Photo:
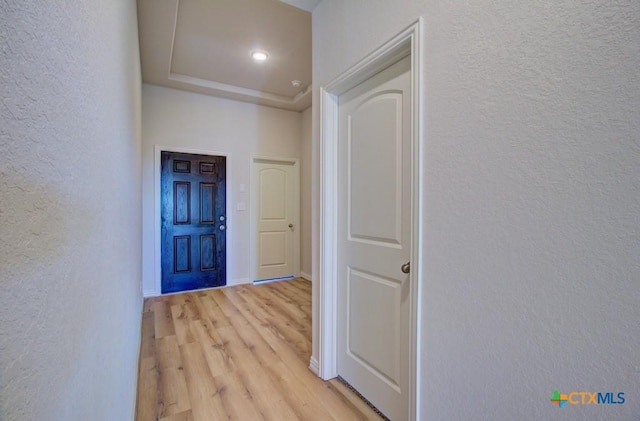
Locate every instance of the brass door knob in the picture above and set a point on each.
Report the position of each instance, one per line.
(406, 268)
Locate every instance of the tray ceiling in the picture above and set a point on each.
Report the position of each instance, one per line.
(204, 46)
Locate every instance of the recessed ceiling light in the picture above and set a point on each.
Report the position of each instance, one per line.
(259, 55)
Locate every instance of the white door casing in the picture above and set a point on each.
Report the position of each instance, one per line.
(275, 209)
(407, 42)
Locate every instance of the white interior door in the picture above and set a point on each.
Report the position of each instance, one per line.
(277, 207)
(374, 238)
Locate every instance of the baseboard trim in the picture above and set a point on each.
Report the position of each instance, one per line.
(148, 294)
(306, 276)
(238, 281)
(230, 283)
(138, 360)
(314, 367)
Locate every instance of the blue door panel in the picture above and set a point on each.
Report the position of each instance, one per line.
(193, 204)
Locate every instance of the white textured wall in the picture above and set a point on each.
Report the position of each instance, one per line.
(305, 193)
(532, 151)
(180, 119)
(70, 307)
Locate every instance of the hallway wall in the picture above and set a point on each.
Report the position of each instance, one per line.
(70, 272)
(531, 195)
(174, 118)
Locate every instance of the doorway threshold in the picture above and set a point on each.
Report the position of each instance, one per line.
(264, 281)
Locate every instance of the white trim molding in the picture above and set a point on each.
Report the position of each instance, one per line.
(313, 365)
(407, 42)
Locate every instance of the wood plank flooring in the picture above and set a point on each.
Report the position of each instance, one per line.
(238, 353)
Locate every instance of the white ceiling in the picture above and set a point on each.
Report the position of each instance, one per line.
(204, 46)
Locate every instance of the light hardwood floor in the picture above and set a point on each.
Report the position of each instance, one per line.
(238, 353)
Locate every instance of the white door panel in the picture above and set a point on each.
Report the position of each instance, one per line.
(381, 185)
(273, 249)
(374, 229)
(369, 294)
(273, 193)
(277, 208)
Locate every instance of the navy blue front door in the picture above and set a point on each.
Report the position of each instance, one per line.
(193, 203)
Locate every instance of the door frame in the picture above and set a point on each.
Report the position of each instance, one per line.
(157, 235)
(407, 42)
(295, 163)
